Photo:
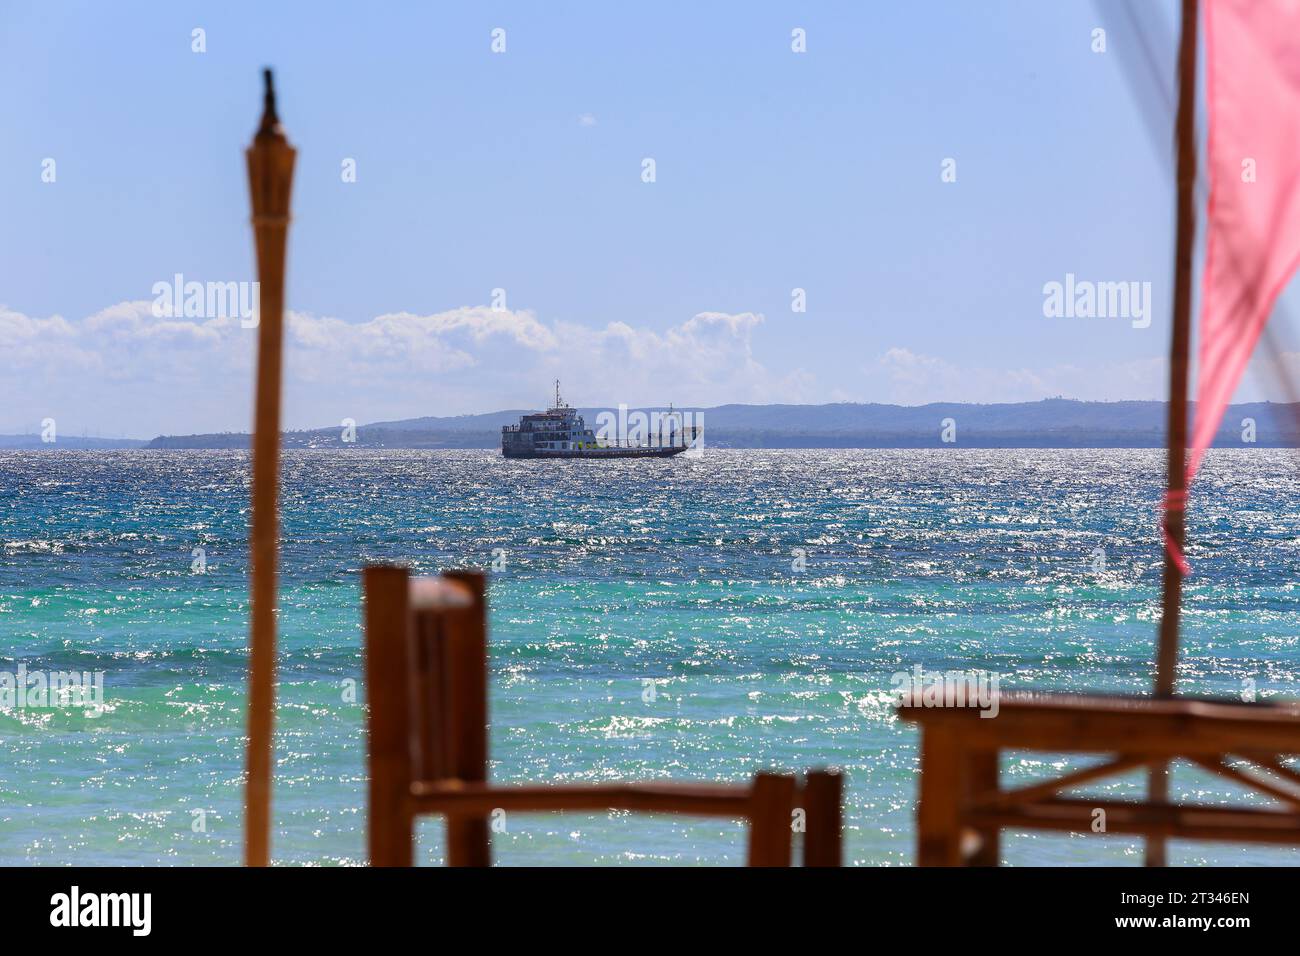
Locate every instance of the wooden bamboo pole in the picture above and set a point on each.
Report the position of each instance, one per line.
(270, 180)
(1179, 349)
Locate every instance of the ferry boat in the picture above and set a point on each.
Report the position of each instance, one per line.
(560, 432)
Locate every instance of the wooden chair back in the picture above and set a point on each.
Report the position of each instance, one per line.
(426, 693)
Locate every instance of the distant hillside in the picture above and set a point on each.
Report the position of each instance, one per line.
(67, 442)
(1052, 423)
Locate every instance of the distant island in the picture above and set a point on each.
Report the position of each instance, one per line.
(1051, 423)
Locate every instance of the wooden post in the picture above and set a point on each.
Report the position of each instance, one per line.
(467, 689)
(1179, 347)
(770, 833)
(982, 779)
(938, 819)
(822, 798)
(270, 180)
(390, 826)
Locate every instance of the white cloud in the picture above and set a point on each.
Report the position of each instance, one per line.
(123, 370)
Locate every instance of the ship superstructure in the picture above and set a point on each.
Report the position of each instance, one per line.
(560, 432)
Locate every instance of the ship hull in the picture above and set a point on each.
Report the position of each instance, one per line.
(601, 453)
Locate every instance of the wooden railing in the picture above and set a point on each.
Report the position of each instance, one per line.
(963, 809)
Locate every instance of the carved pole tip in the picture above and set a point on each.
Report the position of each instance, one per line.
(269, 118)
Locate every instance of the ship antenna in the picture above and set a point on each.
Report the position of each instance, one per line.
(557, 393)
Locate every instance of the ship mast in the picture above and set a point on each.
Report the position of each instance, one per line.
(1176, 494)
(557, 394)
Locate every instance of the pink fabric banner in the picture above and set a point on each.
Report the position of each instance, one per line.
(1252, 52)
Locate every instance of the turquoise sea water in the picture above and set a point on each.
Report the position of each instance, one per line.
(615, 573)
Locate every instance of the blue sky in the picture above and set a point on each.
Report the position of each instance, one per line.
(522, 171)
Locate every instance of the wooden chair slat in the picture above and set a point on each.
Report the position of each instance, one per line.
(466, 658)
(1099, 724)
(390, 826)
(822, 798)
(1250, 781)
(772, 803)
(993, 799)
(1194, 823)
(428, 697)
